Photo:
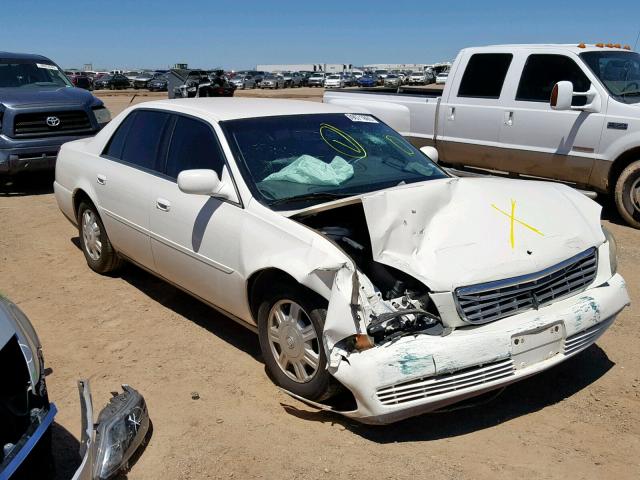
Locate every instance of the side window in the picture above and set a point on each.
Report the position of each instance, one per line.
(542, 72)
(193, 145)
(138, 139)
(116, 143)
(484, 75)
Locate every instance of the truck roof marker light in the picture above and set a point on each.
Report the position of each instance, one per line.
(616, 45)
(609, 45)
(599, 45)
(626, 47)
(582, 45)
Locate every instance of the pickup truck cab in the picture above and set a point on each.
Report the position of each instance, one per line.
(564, 112)
(40, 110)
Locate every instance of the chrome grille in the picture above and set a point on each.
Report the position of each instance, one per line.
(494, 300)
(443, 384)
(34, 124)
(581, 340)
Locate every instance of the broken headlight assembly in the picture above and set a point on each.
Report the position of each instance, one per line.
(613, 249)
(122, 427)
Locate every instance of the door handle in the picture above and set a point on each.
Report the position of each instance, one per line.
(452, 114)
(508, 118)
(101, 179)
(162, 204)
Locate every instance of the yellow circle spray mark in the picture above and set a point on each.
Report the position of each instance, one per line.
(345, 144)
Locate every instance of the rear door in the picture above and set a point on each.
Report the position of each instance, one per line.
(195, 238)
(471, 117)
(543, 142)
(123, 182)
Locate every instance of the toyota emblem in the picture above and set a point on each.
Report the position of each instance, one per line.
(53, 121)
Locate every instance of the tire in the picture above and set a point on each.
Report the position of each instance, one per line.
(94, 241)
(305, 373)
(627, 194)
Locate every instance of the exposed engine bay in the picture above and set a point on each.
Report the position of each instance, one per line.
(410, 309)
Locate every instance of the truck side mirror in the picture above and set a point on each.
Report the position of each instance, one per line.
(562, 96)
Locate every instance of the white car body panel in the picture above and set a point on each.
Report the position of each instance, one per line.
(446, 233)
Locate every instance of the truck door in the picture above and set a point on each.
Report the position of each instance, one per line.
(471, 118)
(543, 142)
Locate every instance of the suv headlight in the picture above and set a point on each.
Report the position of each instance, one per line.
(613, 249)
(103, 115)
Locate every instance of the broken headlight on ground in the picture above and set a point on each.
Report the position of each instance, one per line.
(122, 428)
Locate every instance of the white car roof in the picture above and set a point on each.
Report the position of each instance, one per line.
(571, 47)
(221, 109)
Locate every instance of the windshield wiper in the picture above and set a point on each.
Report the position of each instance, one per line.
(310, 196)
(632, 93)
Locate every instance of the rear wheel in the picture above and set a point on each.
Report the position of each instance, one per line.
(290, 325)
(627, 194)
(94, 241)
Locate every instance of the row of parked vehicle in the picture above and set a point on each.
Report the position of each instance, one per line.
(152, 80)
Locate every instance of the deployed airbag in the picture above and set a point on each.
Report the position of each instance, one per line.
(313, 171)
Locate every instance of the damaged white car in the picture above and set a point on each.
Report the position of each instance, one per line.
(363, 267)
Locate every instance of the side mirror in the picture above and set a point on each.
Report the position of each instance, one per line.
(430, 152)
(562, 96)
(201, 182)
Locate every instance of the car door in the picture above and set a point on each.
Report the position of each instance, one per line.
(544, 142)
(195, 238)
(472, 115)
(130, 161)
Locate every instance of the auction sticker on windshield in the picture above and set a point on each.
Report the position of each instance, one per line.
(360, 118)
(48, 67)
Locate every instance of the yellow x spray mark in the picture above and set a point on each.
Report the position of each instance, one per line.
(513, 220)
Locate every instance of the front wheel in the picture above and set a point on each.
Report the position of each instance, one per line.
(627, 194)
(290, 329)
(96, 246)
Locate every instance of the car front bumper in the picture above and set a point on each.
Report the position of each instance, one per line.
(423, 373)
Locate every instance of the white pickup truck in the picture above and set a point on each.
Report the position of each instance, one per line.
(564, 112)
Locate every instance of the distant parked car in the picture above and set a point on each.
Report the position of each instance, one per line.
(392, 80)
(81, 80)
(316, 79)
(305, 77)
(132, 76)
(367, 81)
(334, 81)
(158, 84)
(441, 78)
(142, 80)
(349, 79)
(244, 81)
(111, 82)
(418, 78)
(381, 75)
(272, 81)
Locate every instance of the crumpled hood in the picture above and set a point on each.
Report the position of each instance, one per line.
(456, 232)
(30, 96)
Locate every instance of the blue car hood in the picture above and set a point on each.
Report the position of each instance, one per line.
(36, 96)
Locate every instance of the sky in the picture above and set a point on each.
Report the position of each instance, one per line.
(244, 33)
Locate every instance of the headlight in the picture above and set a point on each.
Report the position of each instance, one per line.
(122, 427)
(613, 249)
(103, 115)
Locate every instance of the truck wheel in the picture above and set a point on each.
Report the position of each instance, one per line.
(94, 241)
(290, 325)
(627, 194)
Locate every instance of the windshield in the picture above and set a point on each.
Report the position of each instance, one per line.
(619, 72)
(29, 73)
(300, 160)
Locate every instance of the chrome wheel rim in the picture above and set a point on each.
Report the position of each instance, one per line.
(91, 235)
(293, 341)
(635, 195)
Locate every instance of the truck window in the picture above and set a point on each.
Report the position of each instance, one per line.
(543, 71)
(484, 75)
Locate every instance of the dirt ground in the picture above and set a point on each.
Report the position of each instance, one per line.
(578, 420)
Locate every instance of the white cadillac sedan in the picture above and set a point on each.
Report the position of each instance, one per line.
(363, 267)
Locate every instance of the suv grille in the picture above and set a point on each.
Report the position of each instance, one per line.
(491, 301)
(35, 124)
